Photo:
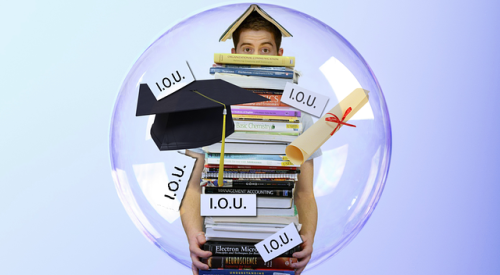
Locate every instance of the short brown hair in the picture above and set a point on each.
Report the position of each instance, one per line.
(256, 22)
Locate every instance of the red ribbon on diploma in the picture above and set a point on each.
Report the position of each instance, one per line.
(335, 119)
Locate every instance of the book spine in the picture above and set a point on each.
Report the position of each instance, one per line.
(274, 101)
(283, 263)
(252, 171)
(259, 67)
(267, 167)
(245, 272)
(251, 162)
(249, 176)
(252, 184)
(251, 59)
(253, 72)
(239, 249)
(248, 156)
(287, 193)
(265, 91)
(251, 126)
(262, 112)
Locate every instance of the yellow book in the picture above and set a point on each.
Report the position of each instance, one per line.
(270, 118)
(253, 59)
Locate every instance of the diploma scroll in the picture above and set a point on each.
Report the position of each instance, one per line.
(310, 141)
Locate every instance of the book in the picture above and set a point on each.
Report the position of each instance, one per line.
(251, 171)
(258, 82)
(250, 162)
(265, 111)
(247, 148)
(269, 167)
(245, 272)
(254, 71)
(274, 101)
(251, 184)
(239, 249)
(254, 59)
(270, 219)
(267, 126)
(264, 136)
(279, 177)
(265, 91)
(248, 156)
(253, 8)
(242, 262)
(259, 192)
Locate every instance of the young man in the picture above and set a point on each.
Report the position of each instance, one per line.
(255, 35)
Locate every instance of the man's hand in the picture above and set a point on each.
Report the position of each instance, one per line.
(195, 242)
(303, 256)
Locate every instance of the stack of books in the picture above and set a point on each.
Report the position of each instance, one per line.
(254, 163)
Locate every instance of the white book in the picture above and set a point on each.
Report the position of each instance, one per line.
(247, 148)
(268, 126)
(262, 136)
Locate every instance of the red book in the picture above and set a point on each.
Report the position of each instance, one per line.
(275, 100)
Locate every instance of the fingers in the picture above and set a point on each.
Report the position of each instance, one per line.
(302, 263)
(195, 270)
(298, 271)
(201, 238)
(194, 247)
(197, 264)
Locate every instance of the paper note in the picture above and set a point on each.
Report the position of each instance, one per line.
(304, 100)
(164, 184)
(167, 78)
(228, 204)
(312, 139)
(280, 242)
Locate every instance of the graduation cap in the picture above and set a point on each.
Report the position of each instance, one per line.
(253, 8)
(193, 116)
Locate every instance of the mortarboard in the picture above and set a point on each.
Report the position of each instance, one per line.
(192, 116)
(253, 8)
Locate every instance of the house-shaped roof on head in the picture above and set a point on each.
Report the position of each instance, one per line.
(253, 8)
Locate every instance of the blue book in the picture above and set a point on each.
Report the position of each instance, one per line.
(245, 272)
(263, 71)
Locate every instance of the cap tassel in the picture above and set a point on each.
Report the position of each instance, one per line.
(220, 179)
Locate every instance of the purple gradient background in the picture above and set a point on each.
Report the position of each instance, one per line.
(61, 66)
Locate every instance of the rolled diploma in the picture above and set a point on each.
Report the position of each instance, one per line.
(308, 142)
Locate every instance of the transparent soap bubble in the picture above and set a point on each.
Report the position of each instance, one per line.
(349, 176)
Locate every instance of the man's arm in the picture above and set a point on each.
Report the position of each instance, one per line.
(308, 214)
(190, 215)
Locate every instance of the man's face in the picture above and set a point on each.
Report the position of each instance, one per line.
(257, 42)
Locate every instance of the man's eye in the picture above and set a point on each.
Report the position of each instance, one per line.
(247, 50)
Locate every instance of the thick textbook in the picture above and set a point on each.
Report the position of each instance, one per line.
(235, 262)
(268, 167)
(274, 101)
(287, 193)
(247, 148)
(249, 183)
(251, 71)
(250, 176)
(264, 136)
(257, 82)
(245, 272)
(239, 249)
(267, 126)
(265, 111)
(253, 59)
